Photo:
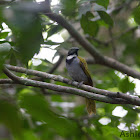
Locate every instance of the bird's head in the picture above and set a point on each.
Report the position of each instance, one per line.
(73, 51)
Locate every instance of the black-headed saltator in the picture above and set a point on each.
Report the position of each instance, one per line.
(78, 70)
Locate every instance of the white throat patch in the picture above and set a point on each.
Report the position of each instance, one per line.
(71, 56)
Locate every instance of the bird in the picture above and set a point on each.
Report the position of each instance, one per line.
(78, 70)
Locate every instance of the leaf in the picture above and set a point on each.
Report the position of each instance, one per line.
(110, 132)
(4, 52)
(89, 27)
(29, 135)
(97, 7)
(128, 118)
(125, 85)
(37, 106)
(79, 110)
(64, 45)
(56, 98)
(136, 14)
(12, 56)
(103, 3)
(69, 7)
(106, 18)
(4, 48)
(27, 31)
(84, 8)
(3, 35)
(53, 30)
(9, 115)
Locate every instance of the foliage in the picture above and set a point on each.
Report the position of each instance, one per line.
(25, 111)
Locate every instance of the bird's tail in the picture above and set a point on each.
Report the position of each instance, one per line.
(91, 106)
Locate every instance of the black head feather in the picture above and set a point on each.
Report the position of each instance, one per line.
(73, 50)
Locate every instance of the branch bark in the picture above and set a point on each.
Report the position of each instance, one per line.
(132, 99)
(6, 81)
(69, 90)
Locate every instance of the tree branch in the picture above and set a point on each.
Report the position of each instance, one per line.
(99, 58)
(6, 81)
(6, 2)
(55, 66)
(133, 99)
(69, 90)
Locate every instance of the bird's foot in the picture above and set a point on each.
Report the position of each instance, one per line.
(80, 83)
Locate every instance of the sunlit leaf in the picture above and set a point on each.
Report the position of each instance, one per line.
(3, 35)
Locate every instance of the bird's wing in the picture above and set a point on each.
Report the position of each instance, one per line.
(84, 66)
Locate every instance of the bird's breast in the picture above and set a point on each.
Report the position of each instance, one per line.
(75, 71)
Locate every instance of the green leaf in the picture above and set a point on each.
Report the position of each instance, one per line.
(12, 56)
(9, 114)
(69, 7)
(136, 14)
(56, 98)
(106, 18)
(125, 85)
(84, 8)
(89, 27)
(27, 31)
(4, 48)
(64, 45)
(37, 106)
(128, 118)
(53, 30)
(3, 35)
(110, 132)
(79, 110)
(4, 52)
(29, 135)
(103, 3)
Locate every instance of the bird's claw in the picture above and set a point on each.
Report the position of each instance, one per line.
(80, 83)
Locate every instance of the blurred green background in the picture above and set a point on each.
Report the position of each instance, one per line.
(30, 39)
